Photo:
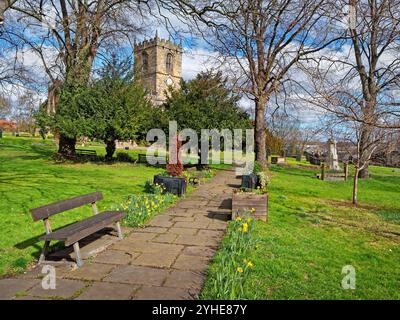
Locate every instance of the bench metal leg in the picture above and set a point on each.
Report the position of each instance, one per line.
(120, 235)
(44, 252)
(79, 261)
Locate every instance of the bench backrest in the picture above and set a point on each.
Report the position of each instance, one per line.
(51, 209)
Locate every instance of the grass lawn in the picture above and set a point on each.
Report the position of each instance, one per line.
(313, 233)
(29, 178)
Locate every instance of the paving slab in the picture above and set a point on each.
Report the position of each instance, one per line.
(166, 238)
(154, 247)
(216, 224)
(91, 272)
(191, 263)
(193, 225)
(186, 231)
(61, 269)
(180, 212)
(153, 229)
(115, 257)
(158, 259)
(138, 275)
(9, 288)
(183, 219)
(65, 289)
(190, 204)
(199, 251)
(140, 236)
(185, 279)
(197, 240)
(211, 233)
(108, 291)
(163, 221)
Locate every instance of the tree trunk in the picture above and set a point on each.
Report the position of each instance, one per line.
(355, 187)
(66, 146)
(259, 136)
(364, 173)
(201, 166)
(110, 149)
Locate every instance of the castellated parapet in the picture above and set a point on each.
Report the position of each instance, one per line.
(158, 65)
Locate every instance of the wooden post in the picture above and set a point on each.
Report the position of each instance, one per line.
(42, 257)
(120, 235)
(47, 225)
(346, 171)
(79, 261)
(43, 254)
(94, 208)
(322, 171)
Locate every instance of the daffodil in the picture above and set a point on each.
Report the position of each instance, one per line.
(245, 227)
(252, 210)
(240, 270)
(238, 219)
(250, 264)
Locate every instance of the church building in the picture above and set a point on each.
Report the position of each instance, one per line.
(158, 64)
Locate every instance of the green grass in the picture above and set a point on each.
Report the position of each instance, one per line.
(313, 232)
(29, 178)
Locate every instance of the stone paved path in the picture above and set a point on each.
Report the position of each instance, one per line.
(165, 260)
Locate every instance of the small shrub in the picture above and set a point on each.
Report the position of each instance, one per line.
(124, 157)
(175, 169)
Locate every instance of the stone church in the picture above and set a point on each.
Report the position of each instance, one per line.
(158, 64)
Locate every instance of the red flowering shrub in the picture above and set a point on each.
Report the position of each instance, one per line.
(175, 169)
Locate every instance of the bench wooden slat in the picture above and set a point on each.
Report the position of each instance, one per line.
(48, 210)
(84, 228)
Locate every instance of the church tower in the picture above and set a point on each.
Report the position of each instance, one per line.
(158, 64)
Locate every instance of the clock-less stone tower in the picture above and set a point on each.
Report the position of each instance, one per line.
(158, 64)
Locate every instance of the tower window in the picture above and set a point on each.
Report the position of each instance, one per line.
(145, 58)
(169, 65)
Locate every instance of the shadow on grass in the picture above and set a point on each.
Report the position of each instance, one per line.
(389, 215)
(57, 250)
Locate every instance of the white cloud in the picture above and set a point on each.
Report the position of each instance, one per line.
(195, 61)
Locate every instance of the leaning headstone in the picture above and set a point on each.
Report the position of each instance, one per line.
(332, 159)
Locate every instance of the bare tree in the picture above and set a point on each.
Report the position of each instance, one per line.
(364, 74)
(12, 72)
(26, 105)
(5, 107)
(261, 41)
(66, 36)
(357, 81)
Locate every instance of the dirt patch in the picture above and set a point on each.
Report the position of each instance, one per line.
(349, 204)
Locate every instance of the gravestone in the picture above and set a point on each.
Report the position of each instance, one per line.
(332, 160)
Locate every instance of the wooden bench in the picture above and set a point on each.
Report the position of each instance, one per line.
(75, 232)
(86, 153)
